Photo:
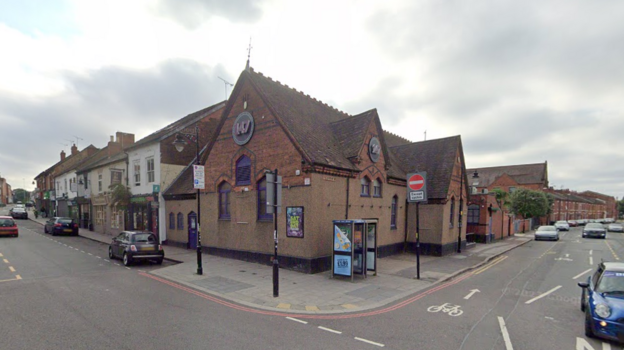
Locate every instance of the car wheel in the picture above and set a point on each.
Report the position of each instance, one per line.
(110, 253)
(159, 261)
(583, 300)
(45, 229)
(53, 232)
(126, 260)
(589, 332)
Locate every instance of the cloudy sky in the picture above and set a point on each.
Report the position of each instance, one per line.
(520, 81)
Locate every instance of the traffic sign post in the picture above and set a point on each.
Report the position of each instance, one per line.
(416, 193)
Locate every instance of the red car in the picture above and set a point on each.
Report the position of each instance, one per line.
(8, 227)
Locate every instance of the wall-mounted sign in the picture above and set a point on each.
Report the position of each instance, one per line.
(294, 222)
(199, 179)
(243, 128)
(374, 149)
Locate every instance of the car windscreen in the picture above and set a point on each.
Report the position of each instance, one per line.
(18, 210)
(65, 221)
(610, 282)
(7, 223)
(547, 228)
(144, 238)
(594, 225)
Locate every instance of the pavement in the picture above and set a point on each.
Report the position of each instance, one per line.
(251, 284)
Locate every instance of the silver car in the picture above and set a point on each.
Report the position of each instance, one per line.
(562, 226)
(615, 228)
(549, 232)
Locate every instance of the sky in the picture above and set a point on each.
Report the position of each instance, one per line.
(522, 82)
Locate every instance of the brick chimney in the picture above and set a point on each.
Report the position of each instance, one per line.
(113, 147)
(124, 139)
(62, 156)
(74, 150)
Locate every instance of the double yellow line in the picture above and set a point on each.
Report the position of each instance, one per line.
(492, 263)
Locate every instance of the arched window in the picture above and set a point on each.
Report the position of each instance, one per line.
(393, 212)
(365, 187)
(451, 217)
(376, 188)
(180, 221)
(224, 201)
(243, 171)
(171, 221)
(262, 199)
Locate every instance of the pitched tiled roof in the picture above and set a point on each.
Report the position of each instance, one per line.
(436, 157)
(308, 121)
(183, 184)
(351, 132)
(523, 174)
(75, 160)
(393, 140)
(177, 125)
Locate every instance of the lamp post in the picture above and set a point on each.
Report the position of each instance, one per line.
(179, 144)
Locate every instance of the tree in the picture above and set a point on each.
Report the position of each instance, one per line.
(529, 203)
(620, 207)
(120, 196)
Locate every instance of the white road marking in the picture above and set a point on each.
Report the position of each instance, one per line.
(472, 291)
(98, 257)
(503, 328)
(106, 260)
(296, 320)
(581, 274)
(330, 330)
(90, 254)
(370, 342)
(543, 295)
(591, 251)
(582, 344)
(591, 260)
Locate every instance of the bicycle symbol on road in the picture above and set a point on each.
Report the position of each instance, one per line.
(452, 310)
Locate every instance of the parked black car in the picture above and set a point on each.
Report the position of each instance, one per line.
(136, 245)
(594, 229)
(19, 213)
(61, 225)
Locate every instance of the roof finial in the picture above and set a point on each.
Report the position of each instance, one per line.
(248, 54)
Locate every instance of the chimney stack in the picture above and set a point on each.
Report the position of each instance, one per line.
(113, 147)
(74, 150)
(62, 156)
(125, 139)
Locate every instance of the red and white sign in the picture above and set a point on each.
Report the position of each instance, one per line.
(416, 182)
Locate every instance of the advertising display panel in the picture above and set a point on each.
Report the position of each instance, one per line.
(355, 247)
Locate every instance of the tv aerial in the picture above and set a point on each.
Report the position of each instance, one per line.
(226, 83)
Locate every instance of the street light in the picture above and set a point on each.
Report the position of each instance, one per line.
(179, 144)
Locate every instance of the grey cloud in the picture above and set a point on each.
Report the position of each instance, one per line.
(98, 104)
(192, 13)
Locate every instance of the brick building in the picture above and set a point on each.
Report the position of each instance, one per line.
(487, 219)
(334, 166)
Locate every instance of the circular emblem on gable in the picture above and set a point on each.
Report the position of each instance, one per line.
(243, 128)
(374, 149)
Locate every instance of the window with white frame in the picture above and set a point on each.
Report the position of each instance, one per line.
(150, 170)
(137, 173)
(99, 182)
